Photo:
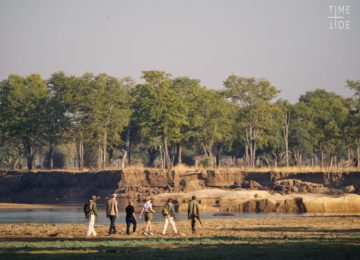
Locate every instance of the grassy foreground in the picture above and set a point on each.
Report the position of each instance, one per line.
(314, 237)
(185, 248)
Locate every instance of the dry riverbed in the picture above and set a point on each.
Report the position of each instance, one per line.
(310, 237)
(294, 227)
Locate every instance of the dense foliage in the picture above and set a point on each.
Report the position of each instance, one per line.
(99, 121)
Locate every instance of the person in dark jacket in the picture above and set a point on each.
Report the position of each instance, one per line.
(130, 218)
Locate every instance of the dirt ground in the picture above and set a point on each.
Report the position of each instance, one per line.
(311, 237)
(295, 227)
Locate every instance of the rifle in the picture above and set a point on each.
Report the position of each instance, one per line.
(198, 218)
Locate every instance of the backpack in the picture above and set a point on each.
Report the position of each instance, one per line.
(165, 210)
(87, 209)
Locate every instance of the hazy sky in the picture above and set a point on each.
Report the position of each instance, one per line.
(285, 41)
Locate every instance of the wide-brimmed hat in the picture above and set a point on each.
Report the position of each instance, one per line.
(94, 197)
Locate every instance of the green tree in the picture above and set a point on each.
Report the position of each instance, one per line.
(253, 97)
(95, 108)
(79, 112)
(132, 130)
(22, 112)
(159, 108)
(352, 129)
(210, 122)
(188, 91)
(285, 114)
(110, 114)
(58, 109)
(301, 140)
(327, 113)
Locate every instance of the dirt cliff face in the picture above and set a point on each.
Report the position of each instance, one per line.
(75, 187)
(56, 187)
(265, 180)
(146, 178)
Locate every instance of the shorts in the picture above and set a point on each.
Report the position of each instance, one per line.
(148, 216)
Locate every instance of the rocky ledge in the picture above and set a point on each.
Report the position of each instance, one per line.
(260, 201)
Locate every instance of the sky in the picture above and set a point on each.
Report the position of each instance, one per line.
(285, 41)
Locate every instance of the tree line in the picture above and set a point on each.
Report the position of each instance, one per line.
(98, 120)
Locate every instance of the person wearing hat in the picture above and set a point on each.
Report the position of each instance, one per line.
(112, 212)
(168, 212)
(92, 216)
(193, 213)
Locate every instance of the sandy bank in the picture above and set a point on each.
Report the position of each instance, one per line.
(251, 201)
(29, 206)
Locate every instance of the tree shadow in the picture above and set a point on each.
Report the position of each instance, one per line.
(296, 229)
(202, 250)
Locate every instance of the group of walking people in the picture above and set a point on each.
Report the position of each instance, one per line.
(112, 212)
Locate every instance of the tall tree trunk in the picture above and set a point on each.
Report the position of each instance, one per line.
(253, 145)
(162, 157)
(167, 161)
(313, 161)
(331, 161)
(254, 148)
(17, 162)
(51, 156)
(128, 143)
(297, 158)
(111, 154)
(219, 148)
(177, 155)
(29, 153)
(14, 163)
(104, 150)
(208, 153)
(247, 149)
(275, 159)
(322, 158)
(285, 128)
(358, 156)
(99, 156)
(349, 156)
(80, 148)
(152, 153)
(123, 160)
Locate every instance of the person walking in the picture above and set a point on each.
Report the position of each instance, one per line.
(92, 216)
(168, 212)
(112, 213)
(193, 213)
(148, 211)
(130, 218)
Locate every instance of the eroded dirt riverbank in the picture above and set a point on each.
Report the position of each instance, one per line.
(236, 190)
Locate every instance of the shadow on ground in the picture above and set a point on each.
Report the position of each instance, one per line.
(208, 248)
(295, 229)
